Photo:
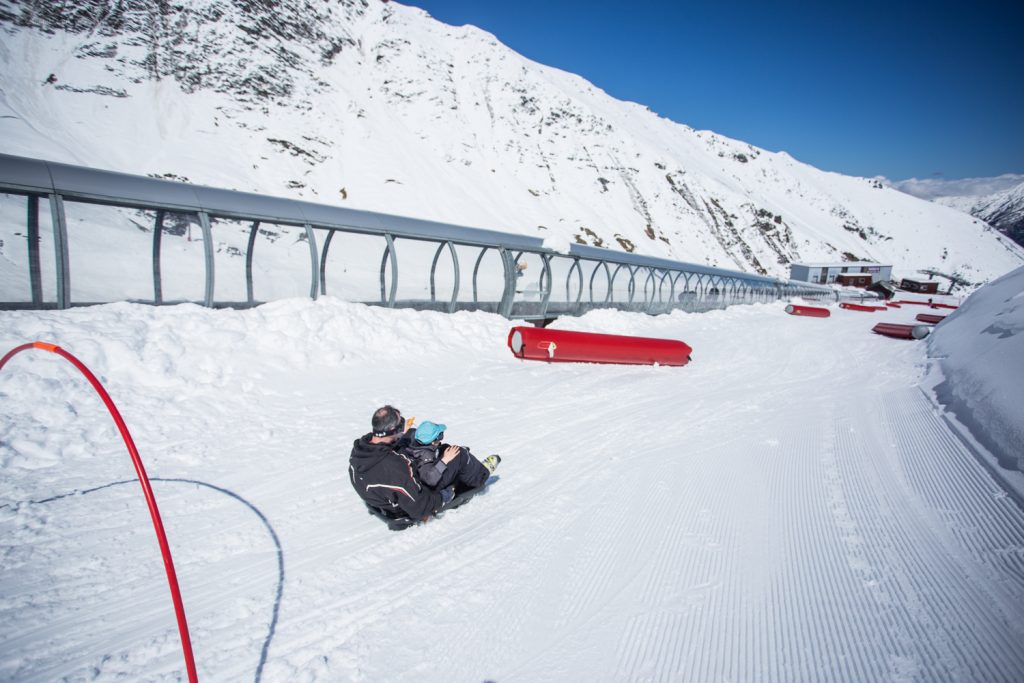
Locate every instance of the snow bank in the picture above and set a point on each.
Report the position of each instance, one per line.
(980, 354)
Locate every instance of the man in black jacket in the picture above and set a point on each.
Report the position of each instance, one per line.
(385, 479)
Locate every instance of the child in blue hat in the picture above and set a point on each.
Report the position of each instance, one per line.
(431, 458)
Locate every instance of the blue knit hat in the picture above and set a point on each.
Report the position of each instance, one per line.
(428, 431)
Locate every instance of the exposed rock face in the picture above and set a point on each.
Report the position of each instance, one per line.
(252, 49)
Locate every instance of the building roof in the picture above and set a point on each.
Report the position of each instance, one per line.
(842, 265)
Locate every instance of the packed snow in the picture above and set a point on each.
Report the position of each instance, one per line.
(792, 505)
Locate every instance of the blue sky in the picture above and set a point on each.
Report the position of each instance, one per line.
(900, 89)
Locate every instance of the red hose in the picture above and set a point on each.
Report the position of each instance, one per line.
(147, 490)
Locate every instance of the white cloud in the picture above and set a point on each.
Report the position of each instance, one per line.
(931, 188)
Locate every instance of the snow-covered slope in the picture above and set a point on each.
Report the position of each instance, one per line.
(377, 106)
(788, 507)
(1003, 210)
(975, 348)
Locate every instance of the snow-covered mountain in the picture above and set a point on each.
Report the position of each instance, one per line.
(998, 201)
(1002, 210)
(377, 106)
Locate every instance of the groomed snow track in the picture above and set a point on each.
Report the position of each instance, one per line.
(803, 513)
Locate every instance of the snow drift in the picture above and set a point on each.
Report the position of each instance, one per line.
(978, 350)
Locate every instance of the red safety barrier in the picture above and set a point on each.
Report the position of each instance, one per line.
(538, 343)
(925, 303)
(930, 318)
(809, 311)
(892, 305)
(902, 331)
(147, 490)
(861, 307)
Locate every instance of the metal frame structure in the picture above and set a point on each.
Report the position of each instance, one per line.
(653, 284)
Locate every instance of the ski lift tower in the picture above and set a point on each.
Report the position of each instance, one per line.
(953, 279)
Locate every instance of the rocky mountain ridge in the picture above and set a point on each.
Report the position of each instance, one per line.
(1002, 210)
(377, 106)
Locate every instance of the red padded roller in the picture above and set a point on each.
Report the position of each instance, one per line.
(810, 311)
(862, 307)
(930, 318)
(902, 331)
(538, 343)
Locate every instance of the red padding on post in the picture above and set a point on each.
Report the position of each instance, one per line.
(862, 307)
(809, 311)
(538, 343)
(901, 331)
(930, 318)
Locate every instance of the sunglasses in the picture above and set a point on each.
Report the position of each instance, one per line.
(399, 428)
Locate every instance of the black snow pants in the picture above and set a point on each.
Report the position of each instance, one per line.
(465, 471)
